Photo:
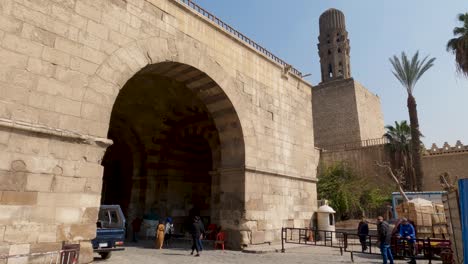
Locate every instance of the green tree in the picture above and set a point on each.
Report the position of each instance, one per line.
(408, 73)
(338, 185)
(349, 194)
(399, 137)
(459, 45)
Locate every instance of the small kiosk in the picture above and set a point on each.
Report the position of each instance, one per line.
(326, 223)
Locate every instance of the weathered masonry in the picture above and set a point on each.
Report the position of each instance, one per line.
(151, 105)
(344, 111)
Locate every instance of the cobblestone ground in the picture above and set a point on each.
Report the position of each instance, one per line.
(143, 254)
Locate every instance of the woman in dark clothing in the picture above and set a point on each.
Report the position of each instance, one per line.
(363, 232)
(197, 231)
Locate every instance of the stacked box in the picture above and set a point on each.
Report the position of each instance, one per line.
(429, 218)
(440, 229)
(439, 218)
(423, 230)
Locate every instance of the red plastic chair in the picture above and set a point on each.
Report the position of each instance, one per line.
(220, 237)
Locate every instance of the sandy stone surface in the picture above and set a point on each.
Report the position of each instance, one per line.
(309, 254)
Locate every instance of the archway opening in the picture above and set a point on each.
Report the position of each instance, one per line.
(168, 146)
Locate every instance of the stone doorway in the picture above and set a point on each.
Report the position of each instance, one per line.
(166, 159)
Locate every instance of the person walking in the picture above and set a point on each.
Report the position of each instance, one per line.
(408, 234)
(169, 230)
(136, 225)
(197, 231)
(160, 235)
(363, 232)
(385, 238)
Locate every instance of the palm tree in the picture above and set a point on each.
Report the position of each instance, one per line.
(459, 45)
(408, 73)
(399, 137)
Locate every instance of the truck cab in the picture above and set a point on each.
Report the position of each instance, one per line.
(110, 232)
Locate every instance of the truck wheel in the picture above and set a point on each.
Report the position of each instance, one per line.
(105, 255)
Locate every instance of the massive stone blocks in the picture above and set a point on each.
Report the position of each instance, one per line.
(63, 64)
(345, 113)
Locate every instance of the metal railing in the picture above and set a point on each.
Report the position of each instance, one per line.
(238, 35)
(357, 144)
(427, 248)
(309, 236)
(64, 256)
(353, 243)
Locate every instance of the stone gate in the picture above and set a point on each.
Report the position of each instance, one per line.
(152, 104)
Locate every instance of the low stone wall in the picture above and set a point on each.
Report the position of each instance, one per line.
(450, 159)
(361, 160)
(453, 160)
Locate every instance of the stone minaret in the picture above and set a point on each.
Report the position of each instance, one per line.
(333, 46)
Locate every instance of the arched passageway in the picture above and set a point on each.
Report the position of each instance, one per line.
(174, 132)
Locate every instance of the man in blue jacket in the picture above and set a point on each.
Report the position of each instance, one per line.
(407, 233)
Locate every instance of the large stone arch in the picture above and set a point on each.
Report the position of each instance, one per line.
(221, 95)
(188, 63)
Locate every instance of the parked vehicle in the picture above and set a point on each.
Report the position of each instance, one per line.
(110, 233)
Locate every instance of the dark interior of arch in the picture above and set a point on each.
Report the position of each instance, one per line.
(166, 146)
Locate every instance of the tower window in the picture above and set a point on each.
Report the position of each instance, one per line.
(339, 50)
(330, 70)
(338, 40)
(329, 52)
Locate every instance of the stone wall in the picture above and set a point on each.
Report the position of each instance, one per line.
(435, 161)
(336, 118)
(274, 201)
(371, 120)
(450, 159)
(361, 161)
(50, 189)
(345, 112)
(63, 64)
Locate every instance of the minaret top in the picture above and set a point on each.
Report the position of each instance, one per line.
(334, 46)
(332, 19)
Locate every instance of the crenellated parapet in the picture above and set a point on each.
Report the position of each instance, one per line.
(446, 149)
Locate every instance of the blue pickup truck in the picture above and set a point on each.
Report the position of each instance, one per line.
(110, 233)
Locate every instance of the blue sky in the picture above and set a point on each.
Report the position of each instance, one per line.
(377, 30)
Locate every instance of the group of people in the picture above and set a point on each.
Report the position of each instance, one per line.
(165, 230)
(164, 233)
(406, 233)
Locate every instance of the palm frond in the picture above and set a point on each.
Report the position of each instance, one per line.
(452, 45)
(425, 67)
(460, 31)
(459, 45)
(409, 72)
(462, 17)
(398, 72)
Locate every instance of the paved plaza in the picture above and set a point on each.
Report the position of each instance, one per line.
(143, 254)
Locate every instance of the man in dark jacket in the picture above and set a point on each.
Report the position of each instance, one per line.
(363, 232)
(385, 238)
(197, 232)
